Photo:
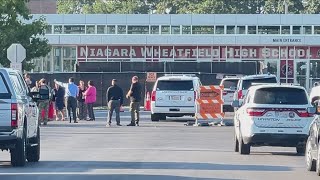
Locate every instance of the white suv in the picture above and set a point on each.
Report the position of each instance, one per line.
(174, 96)
(273, 115)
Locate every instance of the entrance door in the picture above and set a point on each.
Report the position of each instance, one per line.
(301, 73)
(314, 72)
(272, 66)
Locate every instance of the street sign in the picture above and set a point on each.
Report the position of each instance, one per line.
(16, 53)
(16, 66)
(151, 77)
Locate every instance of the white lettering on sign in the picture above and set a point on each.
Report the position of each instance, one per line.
(193, 52)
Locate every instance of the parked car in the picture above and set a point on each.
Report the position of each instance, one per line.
(273, 115)
(247, 81)
(174, 96)
(230, 85)
(19, 128)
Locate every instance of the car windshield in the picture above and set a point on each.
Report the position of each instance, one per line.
(228, 83)
(248, 83)
(281, 95)
(175, 85)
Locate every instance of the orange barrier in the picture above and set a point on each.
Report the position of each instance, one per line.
(209, 104)
(147, 103)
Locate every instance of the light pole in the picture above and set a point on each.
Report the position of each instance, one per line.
(285, 7)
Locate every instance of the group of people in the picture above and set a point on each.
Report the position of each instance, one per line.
(79, 100)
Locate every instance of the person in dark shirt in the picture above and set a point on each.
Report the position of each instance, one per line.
(135, 97)
(82, 108)
(115, 100)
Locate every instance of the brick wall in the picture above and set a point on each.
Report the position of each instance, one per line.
(43, 6)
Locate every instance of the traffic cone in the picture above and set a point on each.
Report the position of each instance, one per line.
(147, 104)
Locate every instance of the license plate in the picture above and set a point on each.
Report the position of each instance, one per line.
(175, 98)
(282, 114)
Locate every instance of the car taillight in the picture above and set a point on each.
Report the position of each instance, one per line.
(153, 96)
(255, 112)
(304, 113)
(240, 94)
(14, 115)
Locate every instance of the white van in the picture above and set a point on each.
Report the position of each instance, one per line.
(174, 96)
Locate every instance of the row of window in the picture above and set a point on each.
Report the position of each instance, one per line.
(167, 29)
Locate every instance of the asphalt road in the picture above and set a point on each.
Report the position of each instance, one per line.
(155, 150)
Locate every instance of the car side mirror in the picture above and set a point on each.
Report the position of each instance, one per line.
(235, 103)
(312, 110)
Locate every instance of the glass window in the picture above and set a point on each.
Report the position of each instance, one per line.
(280, 95)
(219, 29)
(228, 83)
(111, 29)
(69, 65)
(165, 29)
(175, 29)
(307, 29)
(175, 86)
(252, 29)
(47, 62)
(74, 29)
(268, 29)
(69, 52)
(91, 29)
(57, 29)
(101, 29)
(49, 29)
(316, 29)
(246, 84)
(17, 86)
(231, 29)
(241, 30)
(285, 29)
(186, 29)
(57, 59)
(155, 30)
(122, 29)
(202, 29)
(37, 64)
(138, 29)
(296, 29)
(3, 87)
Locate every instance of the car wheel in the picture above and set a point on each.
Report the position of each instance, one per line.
(318, 162)
(311, 163)
(33, 152)
(236, 144)
(18, 153)
(301, 150)
(243, 148)
(155, 117)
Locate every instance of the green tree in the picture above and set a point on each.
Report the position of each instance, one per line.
(312, 6)
(17, 26)
(74, 6)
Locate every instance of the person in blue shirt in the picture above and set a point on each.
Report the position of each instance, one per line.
(71, 93)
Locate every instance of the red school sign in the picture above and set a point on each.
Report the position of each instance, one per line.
(194, 52)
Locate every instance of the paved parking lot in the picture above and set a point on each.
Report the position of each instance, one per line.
(155, 150)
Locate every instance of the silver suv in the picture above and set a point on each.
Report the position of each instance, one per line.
(174, 96)
(19, 129)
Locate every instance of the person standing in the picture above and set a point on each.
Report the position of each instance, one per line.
(44, 94)
(30, 82)
(82, 109)
(115, 100)
(135, 97)
(90, 98)
(59, 101)
(70, 97)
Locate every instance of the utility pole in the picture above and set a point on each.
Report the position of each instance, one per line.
(285, 7)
